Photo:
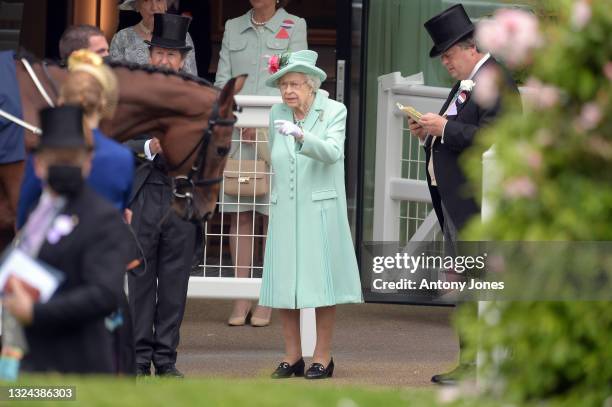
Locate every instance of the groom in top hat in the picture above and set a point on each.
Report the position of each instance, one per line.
(158, 294)
(446, 135)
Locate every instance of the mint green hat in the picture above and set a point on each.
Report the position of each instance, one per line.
(300, 61)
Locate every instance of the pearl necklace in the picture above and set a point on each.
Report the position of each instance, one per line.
(255, 22)
(300, 123)
(144, 28)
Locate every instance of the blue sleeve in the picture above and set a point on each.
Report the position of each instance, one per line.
(31, 189)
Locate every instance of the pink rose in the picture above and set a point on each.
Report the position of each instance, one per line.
(534, 159)
(520, 187)
(511, 35)
(590, 116)
(541, 96)
(491, 36)
(532, 156)
(273, 64)
(608, 70)
(486, 90)
(581, 14)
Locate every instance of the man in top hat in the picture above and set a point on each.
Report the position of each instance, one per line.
(79, 233)
(158, 291)
(168, 46)
(446, 135)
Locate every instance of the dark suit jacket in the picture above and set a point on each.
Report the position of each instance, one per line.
(147, 171)
(68, 334)
(459, 135)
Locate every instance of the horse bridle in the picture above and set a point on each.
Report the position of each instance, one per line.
(43, 93)
(188, 183)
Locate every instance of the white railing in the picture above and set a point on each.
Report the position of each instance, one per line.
(255, 114)
(390, 188)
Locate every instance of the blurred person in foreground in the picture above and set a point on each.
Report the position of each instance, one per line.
(79, 233)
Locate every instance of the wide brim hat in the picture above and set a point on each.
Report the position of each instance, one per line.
(170, 31)
(448, 28)
(128, 5)
(300, 61)
(62, 127)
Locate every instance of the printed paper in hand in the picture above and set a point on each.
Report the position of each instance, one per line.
(39, 279)
(410, 111)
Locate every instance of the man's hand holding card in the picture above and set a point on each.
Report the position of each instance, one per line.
(413, 121)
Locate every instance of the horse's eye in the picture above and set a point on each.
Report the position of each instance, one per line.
(223, 151)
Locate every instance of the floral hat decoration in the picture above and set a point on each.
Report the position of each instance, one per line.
(277, 62)
(300, 61)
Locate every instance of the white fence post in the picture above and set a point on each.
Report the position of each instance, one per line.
(390, 188)
(308, 331)
(490, 177)
(388, 155)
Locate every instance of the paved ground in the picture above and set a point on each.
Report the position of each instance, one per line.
(375, 344)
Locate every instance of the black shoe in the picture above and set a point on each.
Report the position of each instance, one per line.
(285, 370)
(143, 370)
(463, 371)
(318, 371)
(168, 371)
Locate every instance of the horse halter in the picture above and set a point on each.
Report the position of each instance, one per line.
(187, 183)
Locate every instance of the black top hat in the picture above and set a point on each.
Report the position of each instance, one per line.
(447, 28)
(170, 31)
(62, 127)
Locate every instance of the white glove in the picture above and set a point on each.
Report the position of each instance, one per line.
(287, 128)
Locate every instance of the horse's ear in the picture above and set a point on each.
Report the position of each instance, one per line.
(233, 86)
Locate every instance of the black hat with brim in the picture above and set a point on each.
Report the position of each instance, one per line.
(62, 127)
(448, 28)
(170, 32)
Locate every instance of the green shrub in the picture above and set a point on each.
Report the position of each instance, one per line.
(555, 183)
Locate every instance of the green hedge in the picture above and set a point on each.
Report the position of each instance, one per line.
(555, 163)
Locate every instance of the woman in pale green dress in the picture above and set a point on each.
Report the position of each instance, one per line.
(248, 42)
(310, 258)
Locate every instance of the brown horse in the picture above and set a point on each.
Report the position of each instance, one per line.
(192, 119)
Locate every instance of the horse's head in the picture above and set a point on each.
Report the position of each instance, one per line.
(194, 123)
(196, 190)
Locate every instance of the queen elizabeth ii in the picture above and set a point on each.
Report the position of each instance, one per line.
(310, 258)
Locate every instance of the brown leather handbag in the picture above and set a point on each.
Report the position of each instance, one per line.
(248, 178)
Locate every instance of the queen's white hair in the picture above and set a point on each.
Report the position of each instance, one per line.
(314, 82)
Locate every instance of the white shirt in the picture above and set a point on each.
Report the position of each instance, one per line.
(147, 150)
(479, 64)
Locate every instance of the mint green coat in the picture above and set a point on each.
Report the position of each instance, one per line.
(310, 259)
